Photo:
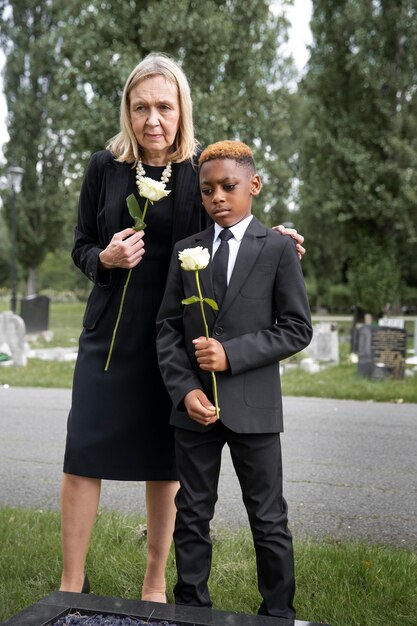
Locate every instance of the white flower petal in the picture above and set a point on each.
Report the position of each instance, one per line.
(152, 189)
(194, 258)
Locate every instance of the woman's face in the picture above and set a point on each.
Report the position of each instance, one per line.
(155, 115)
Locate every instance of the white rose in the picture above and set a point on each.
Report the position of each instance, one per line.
(194, 258)
(152, 189)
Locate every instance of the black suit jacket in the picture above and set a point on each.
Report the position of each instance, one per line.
(102, 200)
(265, 317)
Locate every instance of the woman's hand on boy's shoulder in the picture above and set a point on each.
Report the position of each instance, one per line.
(292, 232)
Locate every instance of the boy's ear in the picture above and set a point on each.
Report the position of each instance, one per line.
(255, 185)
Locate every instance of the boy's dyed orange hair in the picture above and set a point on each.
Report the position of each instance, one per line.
(236, 150)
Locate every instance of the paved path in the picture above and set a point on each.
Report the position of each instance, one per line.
(350, 468)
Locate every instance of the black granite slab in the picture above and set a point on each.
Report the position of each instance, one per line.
(59, 603)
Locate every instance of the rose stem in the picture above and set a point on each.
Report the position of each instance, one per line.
(216, 400)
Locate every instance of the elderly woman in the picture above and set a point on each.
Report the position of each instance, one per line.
(118, 424)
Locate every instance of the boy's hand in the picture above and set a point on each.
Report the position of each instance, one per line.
(200, 408)
(210, 355)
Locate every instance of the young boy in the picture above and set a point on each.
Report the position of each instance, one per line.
(263, 317)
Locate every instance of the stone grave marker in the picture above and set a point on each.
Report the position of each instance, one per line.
(381, 351)
(325, 343)
(34, 311)
(391, 322)
(12, 337)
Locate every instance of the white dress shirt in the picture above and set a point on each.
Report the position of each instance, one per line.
(238, 231)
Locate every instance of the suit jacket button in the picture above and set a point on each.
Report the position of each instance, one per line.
(218, 331)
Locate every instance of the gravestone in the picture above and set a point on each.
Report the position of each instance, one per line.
(12, 336)
(324, 345)
(62, 603)
(34, 311)
(391, 322)
(381, 351)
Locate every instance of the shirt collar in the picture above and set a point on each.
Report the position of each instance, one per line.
(238, 230)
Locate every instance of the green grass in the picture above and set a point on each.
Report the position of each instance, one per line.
(341, 381)
(343, 584)
(38, 373)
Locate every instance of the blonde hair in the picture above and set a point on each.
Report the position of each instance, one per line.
(124, 145)
(235, 150)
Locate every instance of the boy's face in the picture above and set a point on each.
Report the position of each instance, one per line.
(227, 188)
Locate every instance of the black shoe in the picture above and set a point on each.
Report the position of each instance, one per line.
(86, 584)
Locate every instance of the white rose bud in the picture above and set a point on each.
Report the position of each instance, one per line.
(194, 258)
(152, 189)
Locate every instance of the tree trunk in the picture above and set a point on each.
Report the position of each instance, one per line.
(31, 282)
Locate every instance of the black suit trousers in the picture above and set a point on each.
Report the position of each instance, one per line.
(257, 462)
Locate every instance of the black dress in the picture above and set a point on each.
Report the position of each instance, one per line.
(118, 426)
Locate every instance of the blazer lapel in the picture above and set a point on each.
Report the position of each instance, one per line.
(249, 251)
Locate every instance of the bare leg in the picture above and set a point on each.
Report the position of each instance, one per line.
(160, 507)
(79, 503)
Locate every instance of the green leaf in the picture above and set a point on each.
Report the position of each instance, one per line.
(211, 303)
(190, 300)
(139, 224)
(134, 208)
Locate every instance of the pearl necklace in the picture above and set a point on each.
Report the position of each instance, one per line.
(166, 174)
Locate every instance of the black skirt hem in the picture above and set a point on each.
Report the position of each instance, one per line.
(144, 475)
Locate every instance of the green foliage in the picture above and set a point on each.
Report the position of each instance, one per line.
(343, 584)
(5, 250)
(358, 152)
(374, 278)
(66, 66)
(239, 90)
(37, 142)
(340, 299)
(57, 272)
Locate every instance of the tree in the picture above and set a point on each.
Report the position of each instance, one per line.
(37, 141)
(229, 52)
(4, 254)
(67, 62)
(358, 153)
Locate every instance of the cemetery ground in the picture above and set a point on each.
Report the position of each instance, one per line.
(336, 381)
(343, 583)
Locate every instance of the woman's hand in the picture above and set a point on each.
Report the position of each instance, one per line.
(299, 239)
(126, 250)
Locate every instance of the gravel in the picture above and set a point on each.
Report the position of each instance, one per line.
(105, 620)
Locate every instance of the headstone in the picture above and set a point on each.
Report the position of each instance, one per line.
(381, 351)
(391, 322)
(34, 311)
(62, 603)
(325, 343)
(310, 365)
(12, 335)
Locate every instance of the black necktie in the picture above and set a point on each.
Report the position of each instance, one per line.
(219, 266)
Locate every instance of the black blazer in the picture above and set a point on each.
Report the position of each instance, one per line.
(265, 317)
(102, 199)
